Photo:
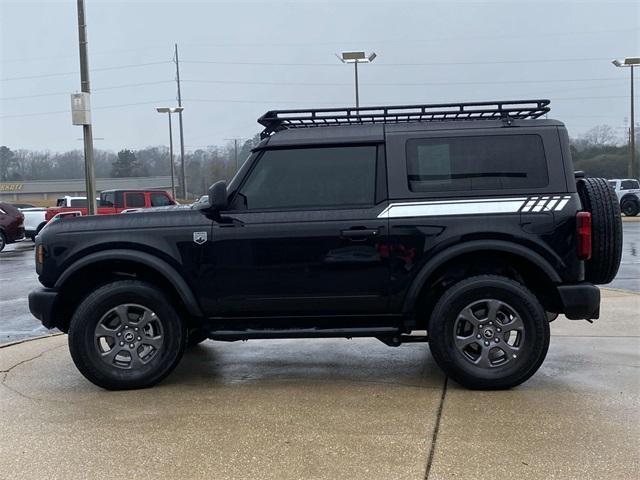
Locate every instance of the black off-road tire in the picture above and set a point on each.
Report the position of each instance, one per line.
(599, 199)
(84, 346)
(455, 363)
(630, 207)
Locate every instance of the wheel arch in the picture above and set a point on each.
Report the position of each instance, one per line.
(530, 263)
(129, 262)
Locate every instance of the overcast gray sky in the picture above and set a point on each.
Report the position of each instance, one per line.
(241, 58)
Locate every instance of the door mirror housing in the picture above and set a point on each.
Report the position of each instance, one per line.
(218, 200)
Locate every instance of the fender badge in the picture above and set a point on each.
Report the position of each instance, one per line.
(199, 237)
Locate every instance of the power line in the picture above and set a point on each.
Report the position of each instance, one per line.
(61, 74)
(93, 108)
(412, 64)
(52, 94)
(407, 84)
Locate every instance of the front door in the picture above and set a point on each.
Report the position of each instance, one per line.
(303, 236)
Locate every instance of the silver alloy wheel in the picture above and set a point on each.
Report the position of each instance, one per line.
(489, 333)
(128, 336)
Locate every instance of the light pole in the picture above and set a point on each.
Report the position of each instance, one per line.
(633, 167)
(356, 58)
(169, 111)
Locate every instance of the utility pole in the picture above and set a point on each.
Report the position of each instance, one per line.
(235, 149)
(183, 176)
(89, 171)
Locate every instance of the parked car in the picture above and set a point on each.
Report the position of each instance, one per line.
(113, 201)
(464, 220)
(11, 225)
(34, 221)
(628, 193)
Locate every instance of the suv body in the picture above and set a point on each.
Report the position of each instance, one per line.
(344, 231)
(11, 225)
(628, 193)
(113, 201)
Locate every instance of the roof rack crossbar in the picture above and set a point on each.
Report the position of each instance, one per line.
(278, 120)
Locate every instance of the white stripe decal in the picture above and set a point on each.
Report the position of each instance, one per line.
(475, 207)
(455, 207)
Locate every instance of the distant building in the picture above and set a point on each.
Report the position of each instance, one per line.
(53, 189)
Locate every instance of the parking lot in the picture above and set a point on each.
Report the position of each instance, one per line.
(326, 408)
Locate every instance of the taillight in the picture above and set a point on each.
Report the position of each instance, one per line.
(583, 231)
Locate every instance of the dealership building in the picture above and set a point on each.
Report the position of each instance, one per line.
(42, 190)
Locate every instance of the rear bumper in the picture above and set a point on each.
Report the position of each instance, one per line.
(41, 305)
(580, 301)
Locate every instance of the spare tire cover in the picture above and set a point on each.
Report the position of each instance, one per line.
(600, 200)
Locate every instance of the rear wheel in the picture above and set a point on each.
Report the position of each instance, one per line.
(630, 207)
(3, 241)
(126, 335)
(489, 332)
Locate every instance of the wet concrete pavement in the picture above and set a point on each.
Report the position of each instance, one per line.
(331, 409)
(18, 277)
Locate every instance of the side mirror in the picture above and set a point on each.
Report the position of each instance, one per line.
(218, 196)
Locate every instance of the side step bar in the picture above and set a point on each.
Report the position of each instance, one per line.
(391, 336)
(232, 335)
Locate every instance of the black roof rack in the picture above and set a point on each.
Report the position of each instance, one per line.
(278, 120)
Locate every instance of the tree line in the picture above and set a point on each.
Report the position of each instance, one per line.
(599, 153)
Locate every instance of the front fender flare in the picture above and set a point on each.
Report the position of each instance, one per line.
(467, 247)
(163, 268)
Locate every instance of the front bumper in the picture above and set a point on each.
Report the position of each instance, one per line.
(580, 301)
(42, 303)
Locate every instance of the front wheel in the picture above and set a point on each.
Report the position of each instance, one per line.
(489, 332)
(126, 335)
(3, 241)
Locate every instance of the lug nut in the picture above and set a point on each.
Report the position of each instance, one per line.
(479, 326)
(121, 344)
(131, 345)
(497, 340)
(498, 329)
(490, 323)
(478, 336)
(139, 338)
(126, 326)
(486, 344)
(136, 329)
(118, 334)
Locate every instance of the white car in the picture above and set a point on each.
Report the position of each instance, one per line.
(628, 193)
(34, 221)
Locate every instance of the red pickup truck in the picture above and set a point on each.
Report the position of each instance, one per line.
(113, 201)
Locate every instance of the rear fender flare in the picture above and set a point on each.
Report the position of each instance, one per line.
(476, 245)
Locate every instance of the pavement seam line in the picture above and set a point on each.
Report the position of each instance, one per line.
(30, 359)
(436, 429)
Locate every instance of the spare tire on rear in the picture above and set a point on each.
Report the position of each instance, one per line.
(600, 200)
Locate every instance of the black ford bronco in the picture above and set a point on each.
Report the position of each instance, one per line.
(460, 225)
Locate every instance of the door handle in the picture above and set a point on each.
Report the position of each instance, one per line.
(359, 234)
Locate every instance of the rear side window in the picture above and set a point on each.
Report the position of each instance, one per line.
(492, 162)
(311, 177)
(78, 202)
(629, 184)
(160, 200)
(134, 200)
